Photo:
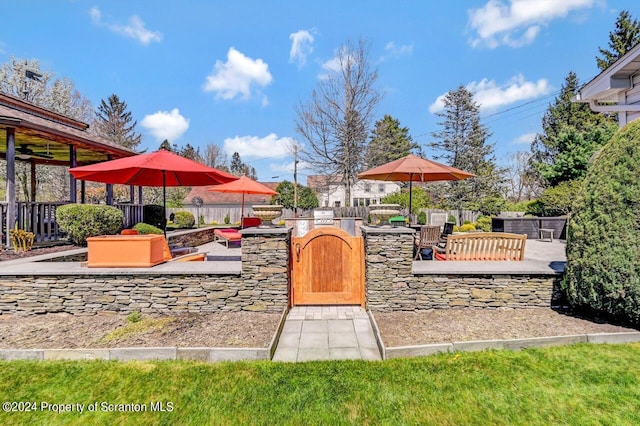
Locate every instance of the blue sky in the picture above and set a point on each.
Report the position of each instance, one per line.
(231, 73)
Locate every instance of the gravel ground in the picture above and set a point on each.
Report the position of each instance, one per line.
(64, 331)
(455, 325)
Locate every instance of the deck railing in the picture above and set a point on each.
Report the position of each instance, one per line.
(40, 218)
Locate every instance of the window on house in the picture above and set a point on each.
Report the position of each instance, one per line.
(367, 187)
(336, 204)
(381, 187)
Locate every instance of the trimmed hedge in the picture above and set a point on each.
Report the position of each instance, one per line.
(81, 221)
(184, 219)
(603, 243)
(145, 228)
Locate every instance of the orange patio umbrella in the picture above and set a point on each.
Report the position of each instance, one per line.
(243, 185)
(159, 168)
(412, 168)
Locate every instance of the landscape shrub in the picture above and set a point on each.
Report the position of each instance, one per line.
(81, 221)
(483, 223)
(422, 218)
(467, 227)
(556, 200)
(227, 219)
(603, 245)
(145, 228)
(452, 219)
(184, 219)
(153, 214)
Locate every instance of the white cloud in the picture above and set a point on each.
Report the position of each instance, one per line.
(517, 23)
(397, 51)
(166, 125)
(135, 28)
(490, 95)
(287, 167)
(237, 76)
(301, 47)
(270, 146)
(526, 138)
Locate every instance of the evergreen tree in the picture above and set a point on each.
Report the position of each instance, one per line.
(388, 142)
(191, 153)
(462, 143)
(114, 123)
(237, 166)
(571, 133)
(621, 40)
(167, 146)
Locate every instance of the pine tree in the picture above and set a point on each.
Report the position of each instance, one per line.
(114, 123)
(237, 166)
(462, 143)
(625, 36)
(388, 142)
(571, 133)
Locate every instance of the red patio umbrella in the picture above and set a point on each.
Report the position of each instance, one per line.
(412, 168)
(243, 185)
(158, 168)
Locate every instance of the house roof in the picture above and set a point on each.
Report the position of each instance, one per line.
(220, 198)
(607, 85)
(50, 134)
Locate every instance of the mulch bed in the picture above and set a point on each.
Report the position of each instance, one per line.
(455, 325)
(12, 255)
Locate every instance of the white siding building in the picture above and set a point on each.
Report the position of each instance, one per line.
(331, 193)
(616, 89)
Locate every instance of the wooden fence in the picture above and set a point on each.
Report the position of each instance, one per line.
(217, 214)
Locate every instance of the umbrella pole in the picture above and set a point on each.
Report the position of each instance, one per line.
(164, 203)
(410, 188)
(242, 213)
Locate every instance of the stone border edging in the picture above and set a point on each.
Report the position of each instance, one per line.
(205, 354)
(509, 344)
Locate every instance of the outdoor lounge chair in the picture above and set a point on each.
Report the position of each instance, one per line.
(429, 236)
(228, 235)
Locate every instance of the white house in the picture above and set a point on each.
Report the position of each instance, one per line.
(331, 192)
(616, 89)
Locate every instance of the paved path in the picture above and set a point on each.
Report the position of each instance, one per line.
(313, 333)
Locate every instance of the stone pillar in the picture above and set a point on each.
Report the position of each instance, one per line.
(265, 268)
(388, 263)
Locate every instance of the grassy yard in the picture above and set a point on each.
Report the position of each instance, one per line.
(581, 385)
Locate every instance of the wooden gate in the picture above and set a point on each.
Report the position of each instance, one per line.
(328, 268)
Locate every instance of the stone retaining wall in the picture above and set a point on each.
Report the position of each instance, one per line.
(392, 286)
(261, 286)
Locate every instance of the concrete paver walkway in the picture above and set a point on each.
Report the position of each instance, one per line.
(313, 333)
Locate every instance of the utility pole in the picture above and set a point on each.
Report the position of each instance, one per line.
(295, 180)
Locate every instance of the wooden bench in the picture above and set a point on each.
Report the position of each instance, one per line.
(483, 246)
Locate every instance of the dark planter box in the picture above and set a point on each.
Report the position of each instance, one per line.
(530, 226)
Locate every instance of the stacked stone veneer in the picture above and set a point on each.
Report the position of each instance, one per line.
(392, 286)
(261, 286)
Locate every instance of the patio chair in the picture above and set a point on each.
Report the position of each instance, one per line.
(429, 236)
(446, 231)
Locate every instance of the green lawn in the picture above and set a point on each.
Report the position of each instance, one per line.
(580, 384)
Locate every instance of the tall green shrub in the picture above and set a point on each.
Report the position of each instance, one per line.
(603, 246)
(81, 221)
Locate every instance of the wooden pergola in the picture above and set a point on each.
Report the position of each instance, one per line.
(40, 136)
